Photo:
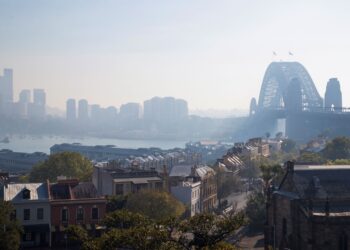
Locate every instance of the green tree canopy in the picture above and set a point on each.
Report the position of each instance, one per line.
(310, 157)
(124, 219)
(208, 230)
(155, 205)
(270, 173)
(288, 145)
(10, 233)
(256, 209)
(338, 148)
(68, 164)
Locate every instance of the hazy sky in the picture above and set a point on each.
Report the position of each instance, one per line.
(211, 53)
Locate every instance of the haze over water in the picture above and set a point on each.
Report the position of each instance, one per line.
(30, 144)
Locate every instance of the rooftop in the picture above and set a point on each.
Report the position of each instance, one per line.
(13, 192)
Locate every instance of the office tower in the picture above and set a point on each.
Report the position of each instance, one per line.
(37, 109)
(130, 111)
(24, 96)
(83, 110)
(6, 86)
(333, 96)
(71, 110)
(181, 109)
(111, 113)
(39, 97)
(23, 103)
(165, 109)
(96, 112)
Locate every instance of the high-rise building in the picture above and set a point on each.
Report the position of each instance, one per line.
(37, 109)
(39, 97)
(71, 110)
(130, 111)
(24, 96)
(96, 112)
(165, 109)
(6, 86)
(23, 103)
(333, 96)
(83, 110)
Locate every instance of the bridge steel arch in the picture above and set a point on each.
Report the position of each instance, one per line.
(276, 79)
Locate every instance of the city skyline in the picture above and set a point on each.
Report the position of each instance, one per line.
(106, 63)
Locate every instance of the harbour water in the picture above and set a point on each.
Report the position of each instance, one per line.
(30, 144)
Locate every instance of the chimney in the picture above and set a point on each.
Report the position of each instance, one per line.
(290, 166)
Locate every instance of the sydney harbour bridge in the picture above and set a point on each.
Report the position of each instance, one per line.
(288, 93)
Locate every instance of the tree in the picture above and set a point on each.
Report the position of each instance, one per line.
(78, 237)
(130, 230)
(208, 230)
(288, 145)
(309, 157)
(156, 205)
(10, 233)
(270, 173)
(339, 162)
(256, 209)
(116, 202)
(124, 219)
(338, 148)
(68, 164)
(279, 135)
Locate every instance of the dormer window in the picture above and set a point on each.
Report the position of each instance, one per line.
(26, 194)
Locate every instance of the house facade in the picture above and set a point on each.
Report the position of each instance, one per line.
(74, 203)
(188, 192)
(32, 209)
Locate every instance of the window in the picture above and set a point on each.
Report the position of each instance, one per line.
(27, 237)
(26, 214)
(26, 194)
(94, 213)
(64, 214)
(284, 227)
(119, 190)
(40, 213)
(80, 213)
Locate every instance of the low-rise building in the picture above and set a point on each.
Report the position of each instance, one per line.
(74, 203)
(16, 161)
(121, 181)
(310, 209)
(200, 173)
(188, 192)
(209, 191)
(32, 209)
(262, 145)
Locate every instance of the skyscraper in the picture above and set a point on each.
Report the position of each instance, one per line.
(23, 103)
(39, 97)
(6, 86)
(130, 111)
(71, 110)
(24, 96)
(165, 109)
(83, 110)
(333, 95)
(37, 109)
